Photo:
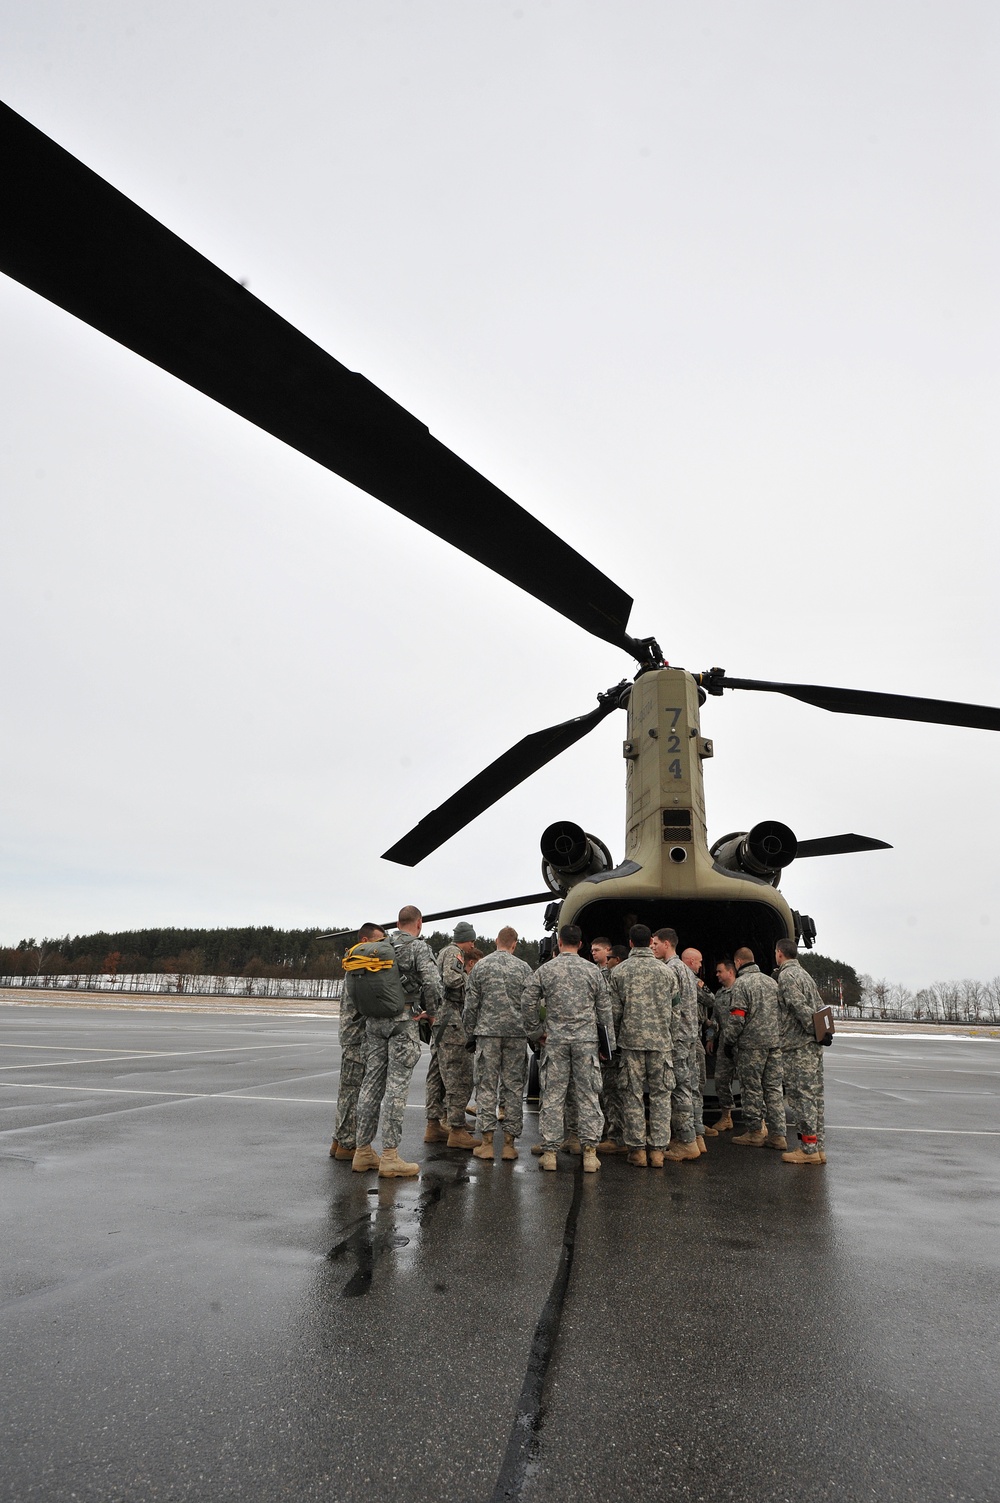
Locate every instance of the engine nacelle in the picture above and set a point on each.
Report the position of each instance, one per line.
(569, 855)
(760, 852)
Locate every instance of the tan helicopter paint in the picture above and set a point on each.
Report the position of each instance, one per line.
(664, 753)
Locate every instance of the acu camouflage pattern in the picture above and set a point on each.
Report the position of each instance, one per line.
(685, 1031)
(801, 1055)
(492, 1016)
(725, 1068)
(501, 1068)
(803, 1079)
(393, 1051)
(644, 995)
(449, 1080)
(798, 999)
(576, 1000)
(753, 1010)
(353, 1042)
(646, 1070)
(564, 1061)
(493, 992)
(753, 1023)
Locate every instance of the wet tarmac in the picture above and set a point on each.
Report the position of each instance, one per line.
(197, 1303)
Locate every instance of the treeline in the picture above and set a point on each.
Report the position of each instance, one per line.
(839, 983)
(292, 954)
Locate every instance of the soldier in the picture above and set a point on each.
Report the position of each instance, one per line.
(618, 954)
(613, 1140)
(449, 1077)
(492, 1018)
(352, 1060)
(725, 1064)
(684, 1032)
(575, 1000)
(753, 1024)
(643, 994)
(801, 1053)
(693, 960)
(393, 1048)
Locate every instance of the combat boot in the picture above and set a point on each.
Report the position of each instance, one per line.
(435, 1133)
(776, 1140)
(637, 1156)
(509, 1150)
(460, 1137)
(538, 1149)
(547, 1160)
(752, 1138)
(344, 1153)
(701, 1144)
(683, 1151)
(656, 1158)
(799, 1156)
(572, 1144)
(393, 1167)
(485, 1149)
(725, 1122)
(608, 1145)
(365, 1157)
(710, 1132)
(591, 1163)
(333, 1149)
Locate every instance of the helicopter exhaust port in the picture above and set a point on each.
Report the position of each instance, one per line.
(569, 855)
(761, 852)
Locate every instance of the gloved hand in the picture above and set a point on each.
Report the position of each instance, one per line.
(827, 1041)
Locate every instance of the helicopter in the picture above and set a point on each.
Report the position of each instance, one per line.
(71, 237)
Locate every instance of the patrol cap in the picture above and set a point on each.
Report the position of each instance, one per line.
(464, 932)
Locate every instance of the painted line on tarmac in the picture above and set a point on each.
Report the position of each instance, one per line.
(41, 1085)
(934, 1132)
(938, 1038)
(114, 1059)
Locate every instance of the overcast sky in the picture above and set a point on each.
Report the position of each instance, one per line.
(710, 288)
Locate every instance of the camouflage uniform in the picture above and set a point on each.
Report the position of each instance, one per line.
(643, 993)
(575, 1000)
(704, 1017)
(684, 1032)
(753, 1023)
(492, 1016)
(725, 1068)
(352, 1068)
(612, 1086)
(801, 1055)
(393, 1045)
(449, 1078)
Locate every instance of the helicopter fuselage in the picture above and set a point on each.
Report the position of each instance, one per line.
(668, 875)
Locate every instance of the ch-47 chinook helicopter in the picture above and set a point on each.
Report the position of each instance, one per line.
(71, 237)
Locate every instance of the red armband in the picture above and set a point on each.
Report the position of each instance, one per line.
(737, 1012)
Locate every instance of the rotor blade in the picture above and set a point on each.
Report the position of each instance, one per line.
(72, 238)
(885, 706)
(533, 897)
(839, 845)
(493, 782)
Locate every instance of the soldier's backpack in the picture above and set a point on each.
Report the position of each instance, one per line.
(376, 987)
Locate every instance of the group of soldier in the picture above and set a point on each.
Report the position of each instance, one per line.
(623, 1039)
